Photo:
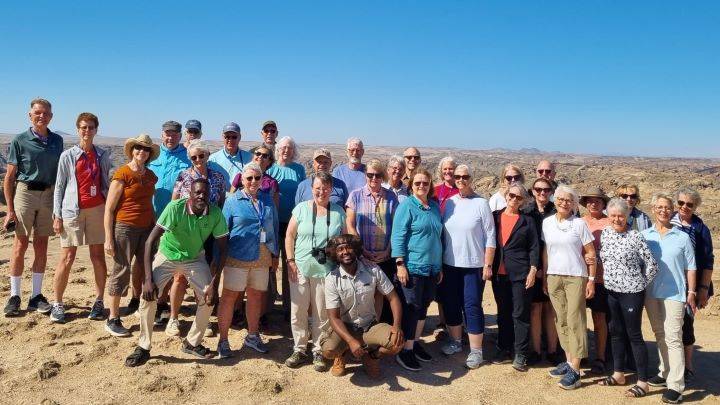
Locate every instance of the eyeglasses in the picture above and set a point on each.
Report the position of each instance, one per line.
(251, 178)
(421, 183)
(563, 200)
(230, 136)
(682, 203)
(541, 190)
(262, 155)
(663, 208)
(142, 148)
(193, 131)
(544, 171)
(630, 196)
(197, 157)
(374, 175)
(269, 130)
(516, 177)
(513, 196)
(465, 177)
(412, 157)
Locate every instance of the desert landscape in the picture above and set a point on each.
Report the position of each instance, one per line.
(79, 362)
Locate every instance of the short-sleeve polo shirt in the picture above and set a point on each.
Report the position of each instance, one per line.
(185, 232)
(36, 160)
(354, 296)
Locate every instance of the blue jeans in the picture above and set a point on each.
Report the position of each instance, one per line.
(416, 297)
(461, 292)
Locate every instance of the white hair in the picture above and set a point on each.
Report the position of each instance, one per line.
(443, 161)
(565, 189)
(618, 204)
(355, 141)
(252, 166)
(396, 159)
(197, 144)
(689, 192)
(289, 140)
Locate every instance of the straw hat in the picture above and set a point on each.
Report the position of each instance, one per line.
(593, 192)
(142, 140)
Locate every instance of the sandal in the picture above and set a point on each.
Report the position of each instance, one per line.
(635, 391)
(199, 351)
(608, 381)
(138, 357)
(598, 367)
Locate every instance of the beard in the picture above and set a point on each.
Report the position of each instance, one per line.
(354, 160)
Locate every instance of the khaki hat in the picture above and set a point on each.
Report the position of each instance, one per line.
(593, 192)
(321, 152)
(143, 140)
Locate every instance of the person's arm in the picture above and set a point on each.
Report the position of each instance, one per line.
(290, 236)
(216, 270)
(399, 240)
(591, 265)
(488, 222)
(706, 266)
(651, 266)
(113, 198)
(59, 194)
(534, 252)
(397, 338)
(338, 326)
(543, 273)
(148, 287)
(350, 221)
(9, 191)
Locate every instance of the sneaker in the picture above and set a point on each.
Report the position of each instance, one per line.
(420, 353)
(657, 381)
(223, 349)
(338, 367)
(560, 370)
(408, 360)
(138, 357)
(372, 366)
(12, 308)
(570, 380)
(40, 304)
(254, 341)
(319, 363)
(162, 314)
(474, 360)
(97, 313)
(671, 397)
(502, 357)
(297, 359)
(173, 327)
(520, 363)
(57, 313)
(197, 351)
(451, 347)
(115, 327)
(132, 306)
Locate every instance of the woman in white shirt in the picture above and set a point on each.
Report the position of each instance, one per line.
(570, 281)
(510, 174)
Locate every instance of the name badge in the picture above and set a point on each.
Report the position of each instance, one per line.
(93, 191)
(263, 236)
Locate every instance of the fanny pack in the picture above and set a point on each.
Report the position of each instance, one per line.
(36, 185)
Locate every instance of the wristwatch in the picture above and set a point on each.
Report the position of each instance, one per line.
(400, 262)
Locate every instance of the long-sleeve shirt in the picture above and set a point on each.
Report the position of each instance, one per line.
(167, 167)
(416, 236)
(628, 263)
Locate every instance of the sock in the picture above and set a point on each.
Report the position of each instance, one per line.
(15, 285)
(37, 279)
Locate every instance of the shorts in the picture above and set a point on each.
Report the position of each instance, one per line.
(84, 229)
(599, 301)
(196, 271)
(34, 210)
(238, 279)
(129, 243)
(378, 335)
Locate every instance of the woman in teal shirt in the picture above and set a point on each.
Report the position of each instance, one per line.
(417, 250)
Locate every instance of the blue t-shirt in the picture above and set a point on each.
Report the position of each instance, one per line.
(674, 254)
(229, 165)
(353, 179)
(288, 178)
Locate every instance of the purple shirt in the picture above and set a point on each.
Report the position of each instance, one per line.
(373, 219)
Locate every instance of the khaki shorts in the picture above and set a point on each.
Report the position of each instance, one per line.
(196, 271)
(85, 229)
(379, 335)
(34, 211)
(238, 279)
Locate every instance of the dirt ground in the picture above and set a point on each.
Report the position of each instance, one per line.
(79, 362)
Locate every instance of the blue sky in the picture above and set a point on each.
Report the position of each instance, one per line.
(612, 77)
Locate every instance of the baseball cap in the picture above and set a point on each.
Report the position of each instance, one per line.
(321, 152)
(266, 123)
(231, 127)
(172, 125)
(193, 124)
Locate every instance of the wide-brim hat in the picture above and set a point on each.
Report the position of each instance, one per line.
(593, 192)
(142, 140)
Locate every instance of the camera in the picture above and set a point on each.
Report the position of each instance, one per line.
(319, 254)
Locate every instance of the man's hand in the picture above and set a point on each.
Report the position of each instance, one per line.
(589, 289)
(702, 298)
(109, 248)
(356, 348)
(545, 285)
(211, 293)
(440, 277)
(691, 301)
(402, 275)
(530, 281)
(292, 272)
(11, 217)
(396, 337)
(148, 290)
(58, 226)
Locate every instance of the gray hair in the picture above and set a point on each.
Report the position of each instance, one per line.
(443, 161)
(355, 141)
(252, 166)
(464, 166)
(523, 192)
(565, 189)
(396, 159)
(662, 196)
(692, 193)
(289, 140)
(618, 204)
(197, 144)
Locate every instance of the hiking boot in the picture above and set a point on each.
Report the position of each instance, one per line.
(132, 306)
(560, 370)
(12, 308)
(520, 363)
(199, 351)
(338, 367)
(297, 359)
(162, 314)
(97, 313)
(173, 327)
(57, 313)
(40, 304)
(570, 380)
(474, 360)
(408, 361)
(138, 357)
(115, 327)
(223, 349)
(420, 353)
(671, 397)
(319, 363)
(372, 366)
(451, 347)
(254, 341)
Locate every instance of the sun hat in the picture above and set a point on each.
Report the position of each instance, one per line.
(142, 140)
(593, 192)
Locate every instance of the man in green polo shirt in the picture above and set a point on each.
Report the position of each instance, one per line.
(29, 185)
(182, 228)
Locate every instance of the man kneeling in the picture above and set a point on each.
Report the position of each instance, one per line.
(350, 302)
(182, 228)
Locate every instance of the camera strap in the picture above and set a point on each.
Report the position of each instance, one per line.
(327, 231)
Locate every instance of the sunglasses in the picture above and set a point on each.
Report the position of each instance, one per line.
(374, 175)
(513, 196)
(262, 155)
(465, 177)
(682, 203)
(421, 183)
(230, 136)
(516, 177)
(251, 178)
(540, 190)
(412, 157)
(193, 131)
(197, 157)
(630, 196)
(544, 171)
(142, 148)
(270, 130)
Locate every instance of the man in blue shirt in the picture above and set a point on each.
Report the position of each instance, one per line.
(173, 159)
(322, 162)
(353, 172)
(230, 160)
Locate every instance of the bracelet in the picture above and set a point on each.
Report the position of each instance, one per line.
(591, 278)
(703, 287)
(292, 259)
(692, 292)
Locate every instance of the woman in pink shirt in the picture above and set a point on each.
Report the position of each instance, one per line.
(446, 189)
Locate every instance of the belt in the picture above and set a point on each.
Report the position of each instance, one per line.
(36, 185)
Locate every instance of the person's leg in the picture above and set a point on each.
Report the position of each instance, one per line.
(411, 311)
(601, 334)
(62, 272)
(94, 235)
(551, 334)
(674, 311)
(162, 274)
(472, 294)
(617, 331)
(97, 258)
(427, 291)
(521, 301)
(502, 291)
(284, 276)
(656, 315)
(197, 273)
(299, 304)
(17, 260)
(556, 291)
(319, 314)
(177, 293)
(450, 293)
(632, 316)
(225, 311)
(125, 245)
(576, 320)
(138, 274)
(385, 314)
(536, 326)
(688, 340)
(40, 248)
(254, 307)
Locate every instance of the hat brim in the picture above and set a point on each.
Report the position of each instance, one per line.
(130, 143)
(583, 199)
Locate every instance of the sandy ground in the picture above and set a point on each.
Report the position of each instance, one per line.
(80, 363)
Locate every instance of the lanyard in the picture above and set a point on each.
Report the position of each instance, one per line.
(229, 158)
(260, 209)
(94, 168)
(327, 220)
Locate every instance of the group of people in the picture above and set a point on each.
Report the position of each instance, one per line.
(364, 249)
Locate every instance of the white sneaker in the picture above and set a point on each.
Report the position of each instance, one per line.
(173, 327)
